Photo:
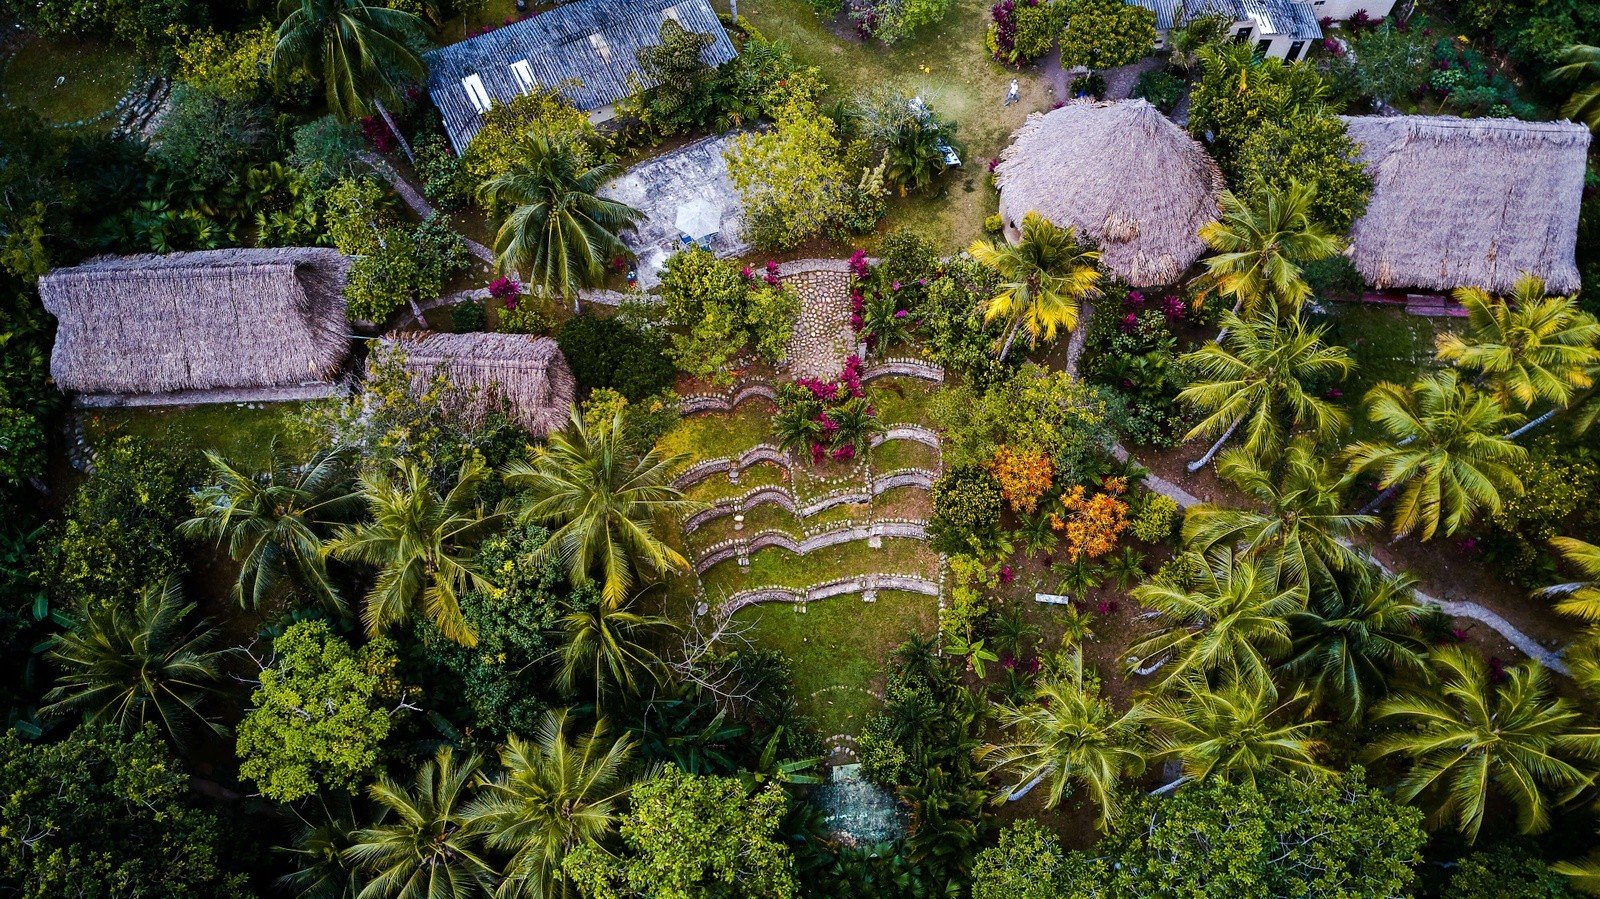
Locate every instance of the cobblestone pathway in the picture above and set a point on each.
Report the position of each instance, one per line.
(822, 336)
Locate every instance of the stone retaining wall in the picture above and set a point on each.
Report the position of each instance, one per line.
(743, 546)
(728, 400)
(779, 495)
(867, 585)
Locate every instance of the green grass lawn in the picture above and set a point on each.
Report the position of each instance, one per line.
(894, 455)
(96, 76)
(949, 67)
(1387, 345)
(902, 400)
(716, 435)
(839, 665)
(237, 432)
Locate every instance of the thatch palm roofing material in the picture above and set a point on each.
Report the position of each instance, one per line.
(525, 377)
(1121, 173)
(1468, 202)
(198, 321)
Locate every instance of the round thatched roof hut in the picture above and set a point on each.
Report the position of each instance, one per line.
(1121, 173)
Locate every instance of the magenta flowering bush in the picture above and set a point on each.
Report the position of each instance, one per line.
(506, 291)
(830, 419)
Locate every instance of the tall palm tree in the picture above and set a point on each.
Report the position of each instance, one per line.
(423, 850)
(128, 666)
(1468, 738)
(557, 793)
(1233, 732)
(1581, 598)
(1069, 734)
(1298, 527)
(559, 229)
(360, 52)
(1529, 347)
(1232, 622)
(1259, 243)
(318, 867)
(607, 502)
(1256, 379)
(421, 543)
(1353, 637)
(1044, 278)
(274, 520)
(1581, 63)
(1447, 456)
(611, 645)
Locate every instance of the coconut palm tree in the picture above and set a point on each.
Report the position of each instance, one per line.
(1234, 732)
(1529, 347)
(421, 544)
(423, 850)
(557, 793)
(1447, 457)
(1256, 379)
(1258, 244)
(1196, 31)
(1069, 735)
(1231, 622)
(1353, 637)
(1297, 527)
(318, 867)
(606, 501)
(274, 520)
(1581, 63)
(127, 666)
(1468, 738)
(857, 422)
(611, 645)
(361, 53)
(1044, 278)
(1580, 599)
(559, 230)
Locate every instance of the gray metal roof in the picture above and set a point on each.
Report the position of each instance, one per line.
(562, 54)
(1295, 18)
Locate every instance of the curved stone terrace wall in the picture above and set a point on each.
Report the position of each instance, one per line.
(762, 388)
(868, 585)
(782, 496)
(742, 546)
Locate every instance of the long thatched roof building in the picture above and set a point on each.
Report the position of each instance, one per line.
(523, 376)
(1121, 173)
(206, 321)
(1468, 202)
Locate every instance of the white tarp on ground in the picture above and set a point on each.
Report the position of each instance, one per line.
(692, 175)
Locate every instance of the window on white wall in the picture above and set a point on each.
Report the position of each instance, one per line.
(476, 92)
(524, 75)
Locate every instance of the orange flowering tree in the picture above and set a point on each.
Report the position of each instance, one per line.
(1024, 476)
(1090, 525)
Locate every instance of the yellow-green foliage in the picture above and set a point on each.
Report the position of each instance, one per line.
(1104, 34)
(499, 145)
(790, 179)
(232, 66)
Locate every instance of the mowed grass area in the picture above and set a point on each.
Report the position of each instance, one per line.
(949, 67)
(95, 76)
(240, 433)
(1386, 345)
(840, 665)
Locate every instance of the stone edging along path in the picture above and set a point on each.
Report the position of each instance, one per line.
(781, 495)
(728, 400)
(743, 547)
(867, 585)
(766, 452)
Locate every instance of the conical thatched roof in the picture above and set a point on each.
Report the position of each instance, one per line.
(198, 321)
(1121, 173)
(525, 377)
(1468, 202)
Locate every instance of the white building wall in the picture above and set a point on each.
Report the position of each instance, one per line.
(1343, 9)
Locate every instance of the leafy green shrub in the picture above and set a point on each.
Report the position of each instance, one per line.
(359, 211)
(609, 353)
(1506, 872)
(952, 336)
(232, 66)
(1104, 34)
(1091, 85)
(204, 141)
(993, 224)
(1310, 149)
(1034, 410)
(1558, 482)
(325, 150)
(445, 180)
(411, 265)
(717, 311)
(967, 505)
(318, 716)
(1154, 517)
(1162, 89)
(1024, 30)
(790, 178)
(891, 21)
(1136, 355)
(468, 316)
(110, 811)
(119, 533)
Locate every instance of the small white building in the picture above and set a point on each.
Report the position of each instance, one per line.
(1280, 29)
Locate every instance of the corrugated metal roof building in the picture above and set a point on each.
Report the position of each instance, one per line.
(587, 50)
(1276, 25)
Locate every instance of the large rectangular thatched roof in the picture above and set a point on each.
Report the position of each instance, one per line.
(198, 321)
(587, 50)
(525, 377)
(1469, 202)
